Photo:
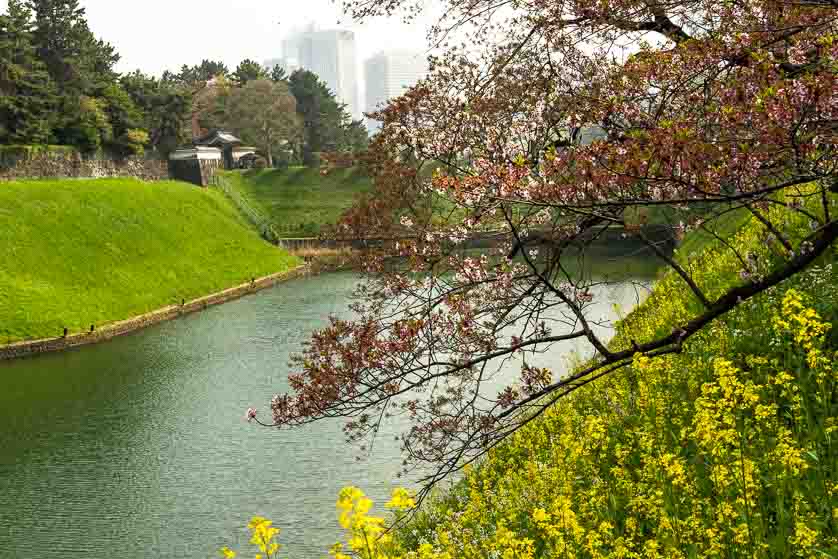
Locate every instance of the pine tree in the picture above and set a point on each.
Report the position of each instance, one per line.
(320, 113)
(81, 66)
(327, 126)
(249, 70)
(278, 74)
(75, 58)
(164, 107)
(28, 95)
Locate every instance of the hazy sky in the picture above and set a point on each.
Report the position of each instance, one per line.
(158, 35)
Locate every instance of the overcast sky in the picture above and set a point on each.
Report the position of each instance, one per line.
(158, 35)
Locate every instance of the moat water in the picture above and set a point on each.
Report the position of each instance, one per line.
(138, 448)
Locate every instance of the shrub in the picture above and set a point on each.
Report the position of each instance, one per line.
(722, 450)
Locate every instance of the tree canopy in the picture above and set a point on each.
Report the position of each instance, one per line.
(27, 106)
(248, 70)
(262, 112)
(327, 126)
(553, 124)
(59, 86)
(197, 74)
(278, 74)
(164, 108)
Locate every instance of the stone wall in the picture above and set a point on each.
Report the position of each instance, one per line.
(200, 172)
(34, 162)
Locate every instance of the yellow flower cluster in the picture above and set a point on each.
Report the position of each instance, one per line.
(806, 327)
(401, 500)
(365, 533)
(263, 536)
(367, 536)
(720, 451)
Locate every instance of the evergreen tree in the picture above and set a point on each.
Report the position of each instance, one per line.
(125, 119)
(355, 137)
(170, 120)
(75, 58)
(87, 126)
(81, 67)
(278, 74)
(327, 126)
(164, 107)
(249, 70)
(208, 69)
(28, 100)
(197, 75)
(320, 113)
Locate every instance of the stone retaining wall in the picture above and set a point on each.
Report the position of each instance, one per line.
(35, 162)
(107, 332)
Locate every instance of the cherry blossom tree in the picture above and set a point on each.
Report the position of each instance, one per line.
(545, 125)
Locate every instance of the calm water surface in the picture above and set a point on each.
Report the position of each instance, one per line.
(138, 448)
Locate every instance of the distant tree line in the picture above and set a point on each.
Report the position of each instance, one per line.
(239, 103)
(58, 85)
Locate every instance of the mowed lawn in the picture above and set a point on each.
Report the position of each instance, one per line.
(299, 200)
(80, 252)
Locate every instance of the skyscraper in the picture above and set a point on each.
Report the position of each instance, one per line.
(388, 74)
(331, 55)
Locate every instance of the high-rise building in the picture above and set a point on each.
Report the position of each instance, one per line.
(388, 74)
(331, 55)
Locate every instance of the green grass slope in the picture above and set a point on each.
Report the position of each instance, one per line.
(299, 200)
(81, 252)
(727, 449)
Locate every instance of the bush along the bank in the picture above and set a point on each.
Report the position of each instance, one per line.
(724, 450)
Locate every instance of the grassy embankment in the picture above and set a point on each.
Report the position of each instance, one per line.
(82, 252)
(300, 201)
(724, 450)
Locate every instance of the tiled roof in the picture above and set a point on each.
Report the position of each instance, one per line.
(217, 137)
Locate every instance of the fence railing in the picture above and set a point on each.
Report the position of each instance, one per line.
(254, 214)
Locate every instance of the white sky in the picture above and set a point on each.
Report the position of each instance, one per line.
(158, 35)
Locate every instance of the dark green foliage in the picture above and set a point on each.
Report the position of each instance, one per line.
(109, 121)
(319, 111)
(27, 94)
(80, 65)
(192, 75)
(58, 86)
(248, 70)
(75, 58)
(278, 74)
(326, 124)
(89, 128)
(58, 82)
(125, 120)
(355, 137)
(163, 108)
